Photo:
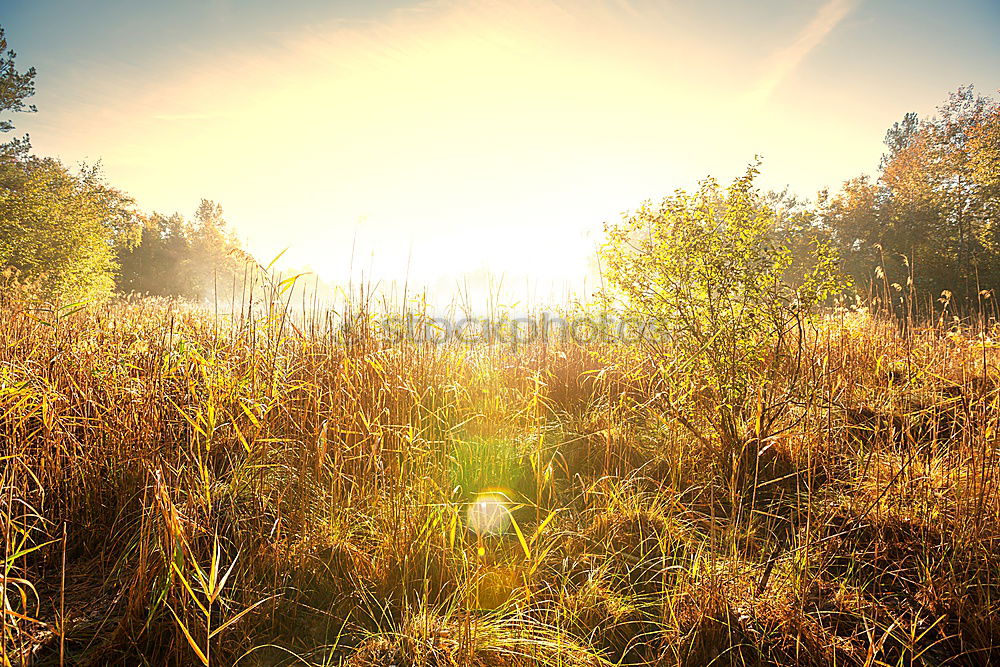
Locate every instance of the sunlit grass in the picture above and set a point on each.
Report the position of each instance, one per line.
(240, 487)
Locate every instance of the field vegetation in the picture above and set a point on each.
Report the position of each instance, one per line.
(788, 457)
(273, 487)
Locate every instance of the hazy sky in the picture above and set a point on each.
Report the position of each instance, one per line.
(477, 135)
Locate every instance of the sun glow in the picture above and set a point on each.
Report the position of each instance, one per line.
(453, 138)
(489, 513)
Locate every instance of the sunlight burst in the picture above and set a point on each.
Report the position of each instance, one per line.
(489, 513)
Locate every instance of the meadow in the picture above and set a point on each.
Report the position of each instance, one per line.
(265, 487)
(757, 428)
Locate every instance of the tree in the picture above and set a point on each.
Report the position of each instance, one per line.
(800, 230)
(71, 235)
(931, 215)
(900, 136)
(15, 87)
(157, 265)
(216, 255)
(60, 231)
(983, 147)
(708, 271)
(193, 260)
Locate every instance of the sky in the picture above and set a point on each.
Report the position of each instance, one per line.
(431, 140)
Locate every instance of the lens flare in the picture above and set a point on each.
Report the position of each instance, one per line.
(488, 513)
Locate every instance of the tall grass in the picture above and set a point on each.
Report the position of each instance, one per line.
(265, 487)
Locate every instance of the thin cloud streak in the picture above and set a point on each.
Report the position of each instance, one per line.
(784, 61)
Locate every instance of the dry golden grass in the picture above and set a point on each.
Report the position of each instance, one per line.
(331, 476)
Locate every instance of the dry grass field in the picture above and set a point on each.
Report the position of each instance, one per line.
(181, 488)
(499, 333)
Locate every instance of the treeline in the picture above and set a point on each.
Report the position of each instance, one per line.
(68, 235)
(929, 223)
(176, 257)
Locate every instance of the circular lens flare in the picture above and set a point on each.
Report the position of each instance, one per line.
(488, 513)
